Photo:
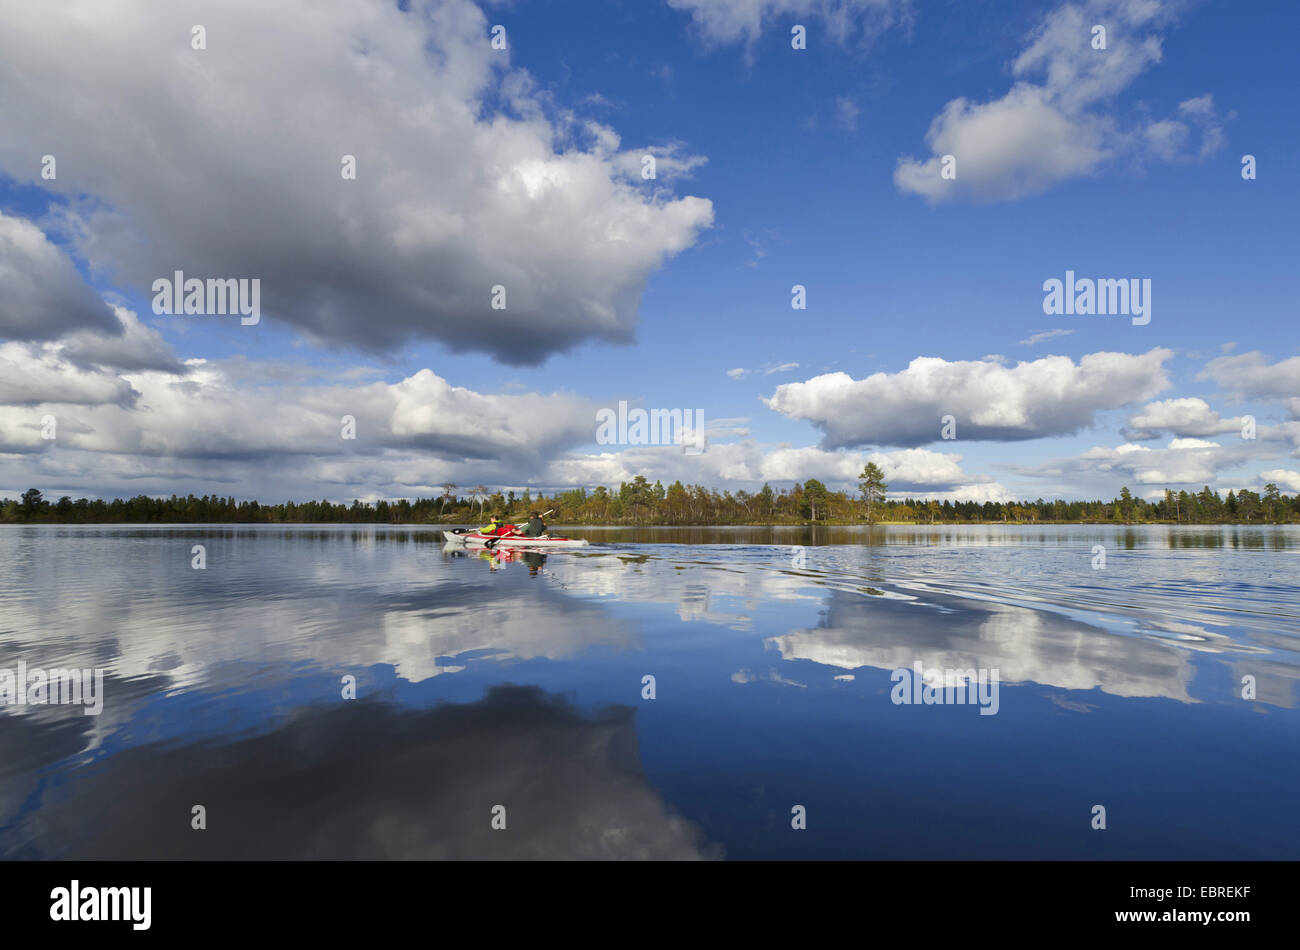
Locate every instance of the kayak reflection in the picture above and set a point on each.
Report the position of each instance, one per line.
(499, 557)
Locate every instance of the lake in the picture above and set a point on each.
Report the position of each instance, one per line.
(322, 691)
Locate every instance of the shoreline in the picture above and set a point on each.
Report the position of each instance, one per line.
(577, 525)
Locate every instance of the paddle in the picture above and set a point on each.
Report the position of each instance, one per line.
(491, 543)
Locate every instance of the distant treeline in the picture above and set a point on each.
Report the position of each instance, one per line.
(641, 502)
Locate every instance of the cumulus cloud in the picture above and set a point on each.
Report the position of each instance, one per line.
(81, 369)
(730, 21)
(1015, 146)
(35, 374)
(989, 401)
(1052, 125)
(1250, 374)
(905, 470)
(748, 464)
(1284, 479)
(226, 162)
(1182, 462)
(221, 411)
(1182, 417)
(42, 296)
(134, 347)
(277, 431)
(155, 432)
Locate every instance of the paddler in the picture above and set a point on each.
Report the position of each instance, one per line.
(497, 525)
(535, 527)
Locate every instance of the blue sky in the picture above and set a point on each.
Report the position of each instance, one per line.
(777, 167)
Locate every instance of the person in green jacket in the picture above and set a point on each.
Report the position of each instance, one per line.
(497, 525)
(535, 527)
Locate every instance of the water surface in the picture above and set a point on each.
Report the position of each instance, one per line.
(518, 681)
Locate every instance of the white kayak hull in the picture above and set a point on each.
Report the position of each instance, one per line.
(474, 539)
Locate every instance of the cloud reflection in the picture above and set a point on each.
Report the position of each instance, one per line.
(367, 780)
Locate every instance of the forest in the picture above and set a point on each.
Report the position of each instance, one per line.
(642, 502)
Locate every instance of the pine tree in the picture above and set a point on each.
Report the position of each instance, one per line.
(871, 483)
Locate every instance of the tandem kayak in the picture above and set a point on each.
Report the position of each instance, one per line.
(478, 539)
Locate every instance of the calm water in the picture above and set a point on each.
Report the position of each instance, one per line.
(518, 681)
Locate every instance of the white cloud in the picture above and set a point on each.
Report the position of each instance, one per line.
(42, 296)
(768, 370)
(220, 410)
(1250, 374)
(1169, 138)
(990, 491)
(1043, 335)
(135, 347)
(276, 430)
(1045, 397)
(846, 113)
(672, 161)
(1015, 146)
(81, 369)
(1283, 478)
(730, 21)
(748, 464)
(1188, 416)
(35, 374)
(1044, 132)
(1183, 462)
(226, 162)
(1202, 113)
